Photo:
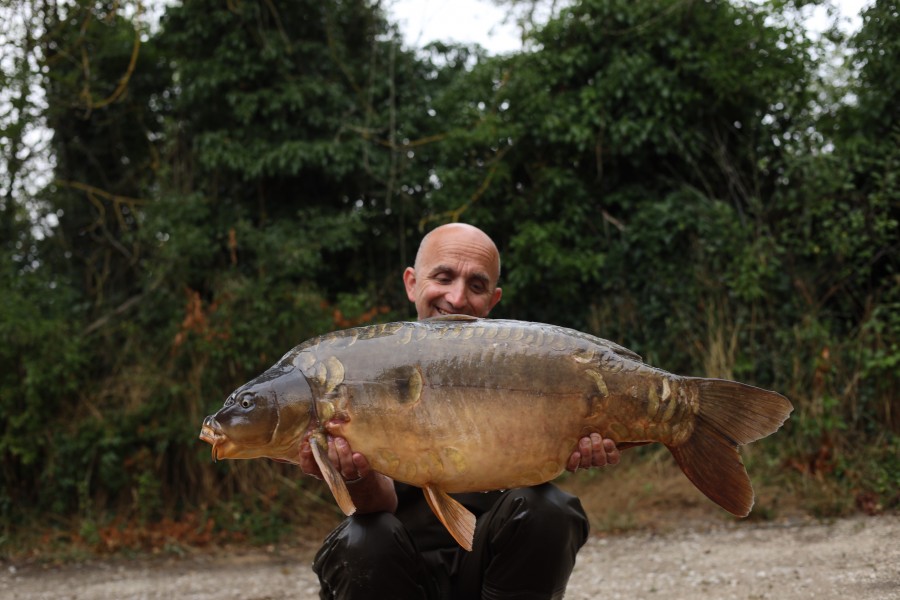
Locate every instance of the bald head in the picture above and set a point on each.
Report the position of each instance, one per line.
(469, 239)
(456, 272)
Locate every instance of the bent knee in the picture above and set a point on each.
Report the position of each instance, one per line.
(370, 535)
(549, 508)
(548, 501)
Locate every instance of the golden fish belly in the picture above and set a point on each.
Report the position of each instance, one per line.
(465, 440)
(489, 407)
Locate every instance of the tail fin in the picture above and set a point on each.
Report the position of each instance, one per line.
(730, 414)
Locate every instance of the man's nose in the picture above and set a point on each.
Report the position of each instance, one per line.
(456, 295)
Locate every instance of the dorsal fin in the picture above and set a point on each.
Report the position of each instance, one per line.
(451, 318)
(333, 478)
(455, 517)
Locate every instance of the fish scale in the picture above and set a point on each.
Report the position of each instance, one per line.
(458, 404)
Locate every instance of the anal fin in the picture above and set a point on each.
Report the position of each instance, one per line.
(333, 478)
(455, 517)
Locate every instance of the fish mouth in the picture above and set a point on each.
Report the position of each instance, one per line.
(211, 434)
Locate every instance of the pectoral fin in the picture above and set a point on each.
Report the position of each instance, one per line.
(455, 517)
(333, 479)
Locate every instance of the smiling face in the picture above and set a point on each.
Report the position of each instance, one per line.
(456, 272)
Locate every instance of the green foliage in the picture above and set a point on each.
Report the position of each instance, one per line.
(671, 175)
(43, 360)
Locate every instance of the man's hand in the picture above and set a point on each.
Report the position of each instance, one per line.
(593, 451)
(352, 465)
(371, 491)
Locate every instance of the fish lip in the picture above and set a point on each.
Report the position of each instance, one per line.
(212, 437)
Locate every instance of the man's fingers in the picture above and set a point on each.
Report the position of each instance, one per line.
(612, 453)
(345, 460)
(332, 453)
(351, 465)
(598, 452)
(308, 462)
(361, 463)
(593, 451)
(585, 447)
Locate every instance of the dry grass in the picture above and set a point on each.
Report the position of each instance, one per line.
(648, 491)
(645, 492)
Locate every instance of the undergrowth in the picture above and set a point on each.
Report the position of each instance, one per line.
(645, 491)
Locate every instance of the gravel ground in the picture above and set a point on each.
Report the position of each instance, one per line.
(855, 558)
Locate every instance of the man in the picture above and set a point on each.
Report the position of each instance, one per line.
(394, 547)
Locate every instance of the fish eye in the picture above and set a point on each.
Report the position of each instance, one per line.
(246, 403)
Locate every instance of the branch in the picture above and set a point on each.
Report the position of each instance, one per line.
(85, 187)
(123, 81)
(457, 212)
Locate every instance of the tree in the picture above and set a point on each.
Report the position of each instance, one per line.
(634, 140)
(673, 175)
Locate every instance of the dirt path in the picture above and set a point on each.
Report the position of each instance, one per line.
(855, 558)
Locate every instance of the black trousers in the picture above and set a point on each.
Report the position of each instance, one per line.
(524, 548)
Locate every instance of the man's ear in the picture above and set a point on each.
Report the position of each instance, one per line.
(495, 297)
(409, 280)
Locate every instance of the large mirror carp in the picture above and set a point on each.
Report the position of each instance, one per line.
(442, 403)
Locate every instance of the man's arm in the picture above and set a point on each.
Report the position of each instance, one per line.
(370, 491)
